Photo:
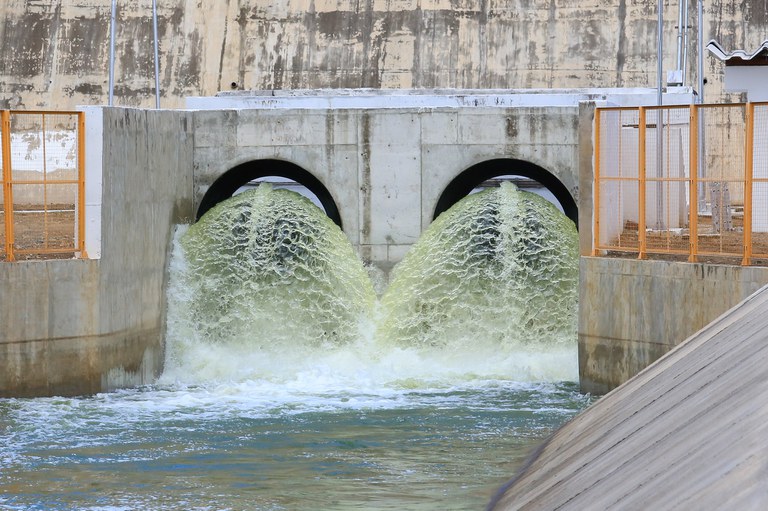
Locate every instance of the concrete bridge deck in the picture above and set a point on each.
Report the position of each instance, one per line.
(689, 432)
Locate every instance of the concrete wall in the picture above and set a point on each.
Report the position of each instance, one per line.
(60, 50)
(689, 432)
(84, 326)
(386, 168)
(632, 312)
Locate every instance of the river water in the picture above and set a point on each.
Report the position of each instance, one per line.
(291, 383)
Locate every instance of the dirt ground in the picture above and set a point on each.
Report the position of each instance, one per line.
(713, 247)
(37, 233)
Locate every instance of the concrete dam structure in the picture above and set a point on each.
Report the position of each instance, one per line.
(437, 115)
(60, 56)
(384, 164)
(387, 164)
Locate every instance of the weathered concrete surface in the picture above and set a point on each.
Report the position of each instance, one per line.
(83, 326)
(689, 432)
(632, 312)
(56, 54)
(386, 168)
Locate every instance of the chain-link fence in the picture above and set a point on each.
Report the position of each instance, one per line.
(43, 185)
(683, 181)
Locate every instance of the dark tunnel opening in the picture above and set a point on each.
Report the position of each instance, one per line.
(482, 174)
(253, 172)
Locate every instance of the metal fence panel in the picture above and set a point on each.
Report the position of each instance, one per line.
(701, 178)
(667, 174)
(720, 226)
(43, 176)
(760, 182)
(617, 193)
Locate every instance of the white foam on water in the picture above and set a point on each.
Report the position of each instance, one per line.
(265, 289)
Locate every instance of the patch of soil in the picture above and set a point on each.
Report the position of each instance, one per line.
(725, 247)
(41, 234)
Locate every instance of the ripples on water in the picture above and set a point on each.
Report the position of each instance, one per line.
(289, 386)
(249, 446)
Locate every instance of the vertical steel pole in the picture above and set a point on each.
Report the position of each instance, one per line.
(700, 77)
(660, 52)
(700, 51)
(680, 28)
(693, 212)
(596, 186)
(659, 117)
(45, 182)
(157, 60)
(112, 53)
(685, 43)
(641, 238)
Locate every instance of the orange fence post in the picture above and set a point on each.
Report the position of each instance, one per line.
(81, 183)
(5, 119)
(641, 185)
(45, 179)
(596, 187)
(749, 136)
(693, 196)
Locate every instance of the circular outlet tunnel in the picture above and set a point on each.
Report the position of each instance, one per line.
(474, 176)
(235, 178)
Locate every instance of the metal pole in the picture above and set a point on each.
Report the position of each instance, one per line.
(157, 59)
(700, 51)
(680, 22)
(700, 77)
(659, 123)
(660, 52)
(685, 42)
(112, 54)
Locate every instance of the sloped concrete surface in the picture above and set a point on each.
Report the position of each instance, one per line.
(688, 432)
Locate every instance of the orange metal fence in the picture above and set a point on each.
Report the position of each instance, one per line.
(42, 208)
(686, 180)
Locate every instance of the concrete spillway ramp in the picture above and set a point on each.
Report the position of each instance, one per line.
(689, 432)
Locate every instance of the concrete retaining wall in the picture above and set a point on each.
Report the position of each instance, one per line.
(632, 312)
(60, 56)
(83, 326)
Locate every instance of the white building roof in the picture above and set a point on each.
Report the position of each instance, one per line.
(737, 57)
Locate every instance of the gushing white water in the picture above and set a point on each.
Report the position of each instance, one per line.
(288, 385)
(265, 287)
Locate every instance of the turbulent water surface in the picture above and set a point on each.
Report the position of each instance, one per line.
(290, 385)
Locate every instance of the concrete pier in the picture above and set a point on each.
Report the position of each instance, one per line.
(688, 432)
(632, 312)
(70, 327)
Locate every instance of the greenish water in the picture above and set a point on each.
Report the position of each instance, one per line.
(240, 446)
(293, 381)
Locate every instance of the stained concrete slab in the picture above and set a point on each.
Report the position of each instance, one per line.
(688, 432)
(632, 312)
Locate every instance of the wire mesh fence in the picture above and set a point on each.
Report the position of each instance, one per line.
(759, 157)
(683, 181)
(43, 185)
